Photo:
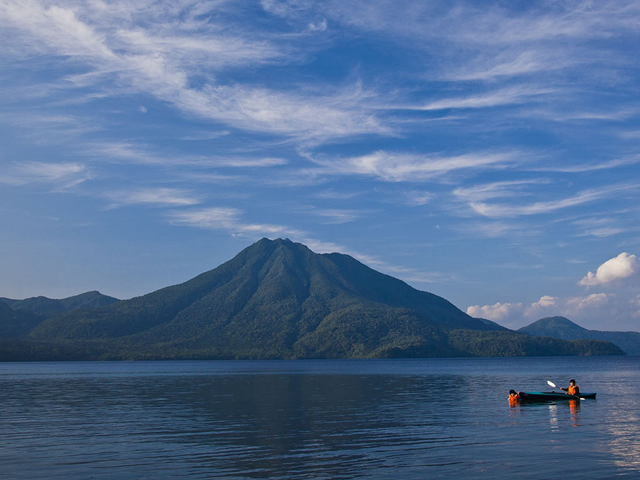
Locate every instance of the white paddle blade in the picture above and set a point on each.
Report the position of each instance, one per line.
(551, 384)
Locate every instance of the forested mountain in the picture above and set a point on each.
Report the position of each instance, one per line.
(16, 323)
(47, 307)
(561, 327)
(278, 299)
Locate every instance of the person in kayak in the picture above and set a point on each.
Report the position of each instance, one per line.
(513, 397)
(573, 388)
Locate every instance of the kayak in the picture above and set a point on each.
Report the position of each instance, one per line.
(546, 396)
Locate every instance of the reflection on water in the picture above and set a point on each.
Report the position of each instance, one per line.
(563, 411)
(624, 435)
(574, 410)
(404, 419)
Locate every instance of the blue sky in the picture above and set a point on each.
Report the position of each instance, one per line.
(484, 151)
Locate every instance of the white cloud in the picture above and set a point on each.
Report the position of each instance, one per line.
(589, 311)
(618, 268)
(416, 198)
(489, 191)
(319, 26)
(496, 312)
(228, 219)
(595, 300)
(404, 167)
(545, 301)
(160, 197)
(145, 155)
(599, 227)
(590, 167)
(59, 176)
(508, 64)
(511, 209)
(546, 306)
(498, 98)
(160, 58)
(335, 216)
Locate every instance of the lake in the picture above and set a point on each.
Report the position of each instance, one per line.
(431, 418)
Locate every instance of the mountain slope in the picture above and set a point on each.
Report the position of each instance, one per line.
(281, 285)
(563, 328)
(278, 299)
(47, 306)
(16, 323)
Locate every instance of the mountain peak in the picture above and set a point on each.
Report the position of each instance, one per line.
(557, 327)
(278, 299)
(276, 292)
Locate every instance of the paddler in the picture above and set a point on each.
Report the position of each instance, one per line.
(573, 388)
(513, 397)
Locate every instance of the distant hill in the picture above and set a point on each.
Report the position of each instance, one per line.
(278, 299)
(47, 306)
(16, 323)
(563, 328)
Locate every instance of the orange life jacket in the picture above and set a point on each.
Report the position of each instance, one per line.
(513, 397)
(573, 390)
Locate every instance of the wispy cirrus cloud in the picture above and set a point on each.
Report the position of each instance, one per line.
(599, 227)
(405, 167)
(335, 216)
(476, 199)
(162, 59)
(230, 220)
(138, 153)
(587, 167)
(156, 197)
(507, 96)
(56, 176)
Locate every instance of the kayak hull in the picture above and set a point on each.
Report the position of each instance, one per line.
(547, 396)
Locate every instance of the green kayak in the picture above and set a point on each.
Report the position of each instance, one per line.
(546, 396)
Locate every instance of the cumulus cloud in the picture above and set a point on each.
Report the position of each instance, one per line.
(591, 301)
(516, 312)
(618, 268)
(545, 301)
(496, 312)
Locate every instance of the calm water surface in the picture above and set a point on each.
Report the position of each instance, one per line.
(317, 419)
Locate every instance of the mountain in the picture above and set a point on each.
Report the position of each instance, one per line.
(47, 306)
(278, 299)
(16, 323)
(563, 328)
(491, 325)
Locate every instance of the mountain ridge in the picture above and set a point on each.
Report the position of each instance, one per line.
(278, 299)
(563, 328)
(47, 307)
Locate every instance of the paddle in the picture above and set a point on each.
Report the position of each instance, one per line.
(553, 385)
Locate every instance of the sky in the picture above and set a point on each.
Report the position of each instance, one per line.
(485, 151)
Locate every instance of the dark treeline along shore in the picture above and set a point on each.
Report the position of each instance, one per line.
(274, 300)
